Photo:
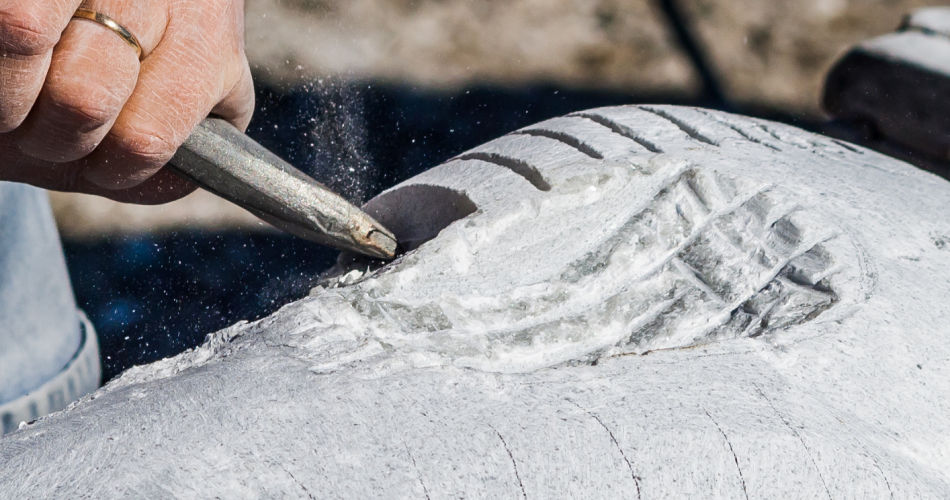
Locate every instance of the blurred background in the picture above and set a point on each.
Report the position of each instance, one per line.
(363, 94)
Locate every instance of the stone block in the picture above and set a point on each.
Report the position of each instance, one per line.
(645, 302)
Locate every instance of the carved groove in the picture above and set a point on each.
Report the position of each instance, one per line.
(621, 130)
(847, 146)
(739, 130)
(682, 125)
(570, 140)
(517, 166)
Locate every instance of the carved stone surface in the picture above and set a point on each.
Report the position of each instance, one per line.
(900, 84)
(627, 302)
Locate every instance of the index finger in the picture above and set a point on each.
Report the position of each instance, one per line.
(163, 187)
(28, 32)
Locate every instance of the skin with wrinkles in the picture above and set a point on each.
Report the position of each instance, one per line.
(79, 111)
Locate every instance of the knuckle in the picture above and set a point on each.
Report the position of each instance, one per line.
(131, 157)
(26, 30)
(82, 114)
(11, 116)
(147, 148)
(84, 104)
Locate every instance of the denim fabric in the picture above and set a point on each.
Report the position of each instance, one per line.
(39, 324)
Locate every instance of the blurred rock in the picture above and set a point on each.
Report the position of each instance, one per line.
(775, 54)
(898, 85)
(448, 43)
(935, 21)
(768, 53)
(81, 216)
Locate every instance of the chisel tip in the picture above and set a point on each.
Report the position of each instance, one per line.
(380, 243)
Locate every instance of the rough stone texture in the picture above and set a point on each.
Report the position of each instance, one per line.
(899, 84)
(776, 53)
(604, 43)
(81, 216)
(646, 302)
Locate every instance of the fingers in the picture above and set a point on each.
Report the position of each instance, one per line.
(17, 167)
(162, 187)
(237, 106)
(104, 123)
(92, 74)
(28, 32)
(197, 68)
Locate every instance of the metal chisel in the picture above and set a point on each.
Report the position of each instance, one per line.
(221, 159)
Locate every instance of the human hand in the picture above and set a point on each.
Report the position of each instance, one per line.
(79, 111)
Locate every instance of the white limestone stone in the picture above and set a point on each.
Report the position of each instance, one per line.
(639, 302)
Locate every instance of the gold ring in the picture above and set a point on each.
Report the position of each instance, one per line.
(108, 22)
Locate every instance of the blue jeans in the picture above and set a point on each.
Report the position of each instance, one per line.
(48, 351)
